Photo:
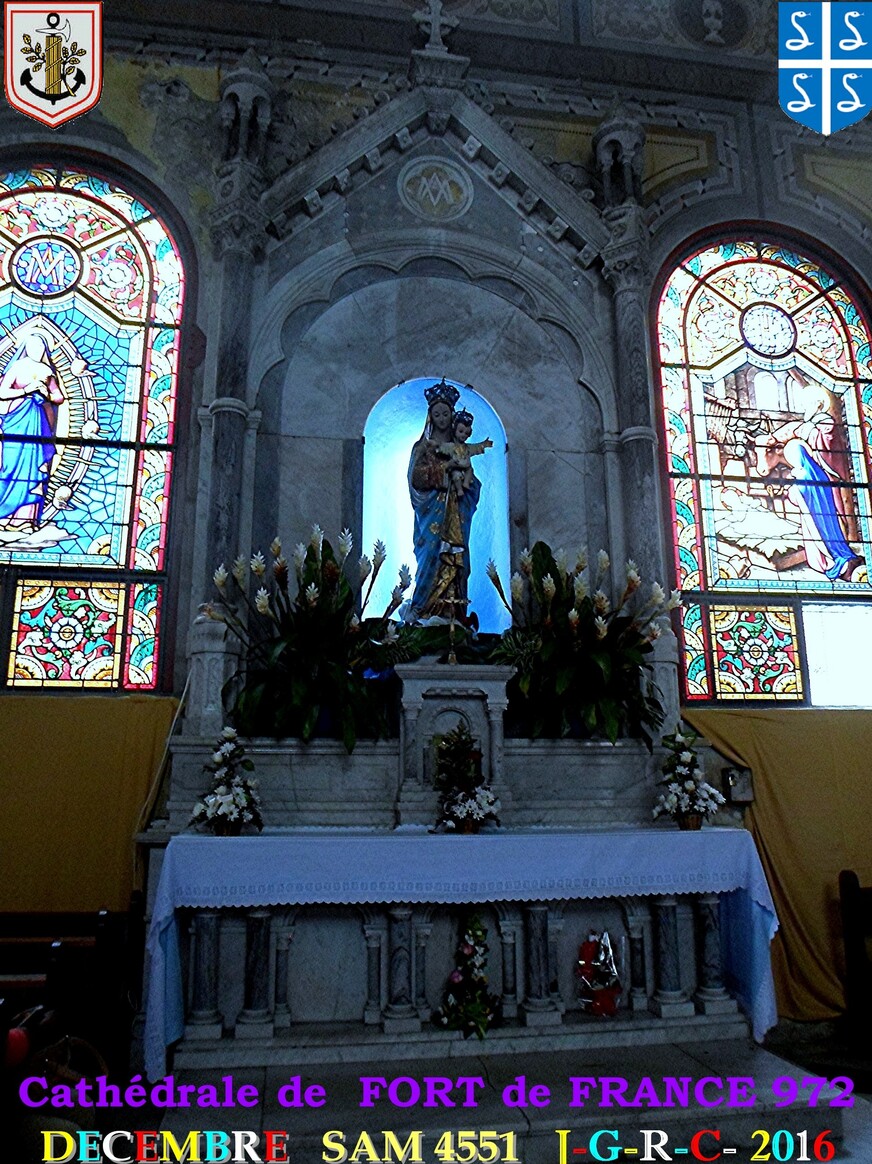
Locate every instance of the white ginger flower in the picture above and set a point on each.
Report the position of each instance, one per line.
(526, 562)
(354, 623)
(405, 577)
(686, 757)
(573, 618)
(633, 579)
(581, 588)
(316, 537)
(258, 565)
(261, 601)
(220, 577)
(561, 561)
(275, 547)
(312, 593)
(379, 553)
(346, 542)
(601, 603)
(517, 585)
(658, 594)
(299, 556)
(602, 561)
(654, 633)
(674, 600)
(580, 559)
(491, 570)
(549, 587)
(229, 733)
(600, 627)
(365, 566)
(239, 568)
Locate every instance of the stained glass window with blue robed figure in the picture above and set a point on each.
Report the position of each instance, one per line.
(766, 386)
(91, 290)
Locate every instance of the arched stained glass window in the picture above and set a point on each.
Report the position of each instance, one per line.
(767, 405)
(91, 289)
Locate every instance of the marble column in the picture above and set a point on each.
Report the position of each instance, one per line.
(508, 939)
(255, 1020)
(204, 1020)
(539, 1008)
(638, 995)
(372, 1012)
(669, 1000)
(400, 1015)
(555, 929)
(422, 936)
(282, 1009)
(711, 996)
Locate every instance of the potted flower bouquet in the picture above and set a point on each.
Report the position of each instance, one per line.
(687, 798)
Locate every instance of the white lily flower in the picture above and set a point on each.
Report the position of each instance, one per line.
(346, 541)
(258, 565)
(220, 577)
(261, 601)
(517, 587)
(312, 593)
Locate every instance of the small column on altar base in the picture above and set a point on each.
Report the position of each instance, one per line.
(539, 1008)
(711, 996)
(400, 1015)
(282, 1009)
(204, 1020)
(669, 999)
(255, 1020)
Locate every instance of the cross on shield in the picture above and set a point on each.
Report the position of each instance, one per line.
(53, 58)
(825, 63)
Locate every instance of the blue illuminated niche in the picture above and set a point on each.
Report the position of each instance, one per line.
(394, 425)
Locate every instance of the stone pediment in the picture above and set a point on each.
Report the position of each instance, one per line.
(381, 140)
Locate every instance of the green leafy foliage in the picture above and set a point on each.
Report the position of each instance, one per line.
(582, 664)
(467, 1004)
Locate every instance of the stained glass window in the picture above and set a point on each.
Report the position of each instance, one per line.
(766, 386)
(91, 290)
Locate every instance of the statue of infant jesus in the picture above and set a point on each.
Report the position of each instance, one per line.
(458, 452)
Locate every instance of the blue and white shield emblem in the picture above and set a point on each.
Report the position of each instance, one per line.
(825, 63)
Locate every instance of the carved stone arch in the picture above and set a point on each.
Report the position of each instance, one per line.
(296, 301)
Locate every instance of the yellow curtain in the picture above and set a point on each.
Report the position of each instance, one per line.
(74, 774)
(810, 819)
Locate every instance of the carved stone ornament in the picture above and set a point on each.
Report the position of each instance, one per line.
(435, 189)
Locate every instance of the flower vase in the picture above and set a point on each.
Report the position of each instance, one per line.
(690, 821)
(227, 828)
(468, 826)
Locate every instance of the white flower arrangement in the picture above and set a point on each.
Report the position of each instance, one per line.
(479, 805)
(232, 800)
(686, 793)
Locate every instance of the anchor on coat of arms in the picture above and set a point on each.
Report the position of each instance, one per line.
(62, 46)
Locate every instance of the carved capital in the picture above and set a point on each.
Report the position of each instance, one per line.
(237, 222)
(437, 70)
(625, 255)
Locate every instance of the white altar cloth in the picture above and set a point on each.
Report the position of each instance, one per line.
(329, 868)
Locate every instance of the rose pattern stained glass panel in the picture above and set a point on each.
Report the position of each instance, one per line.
(755, 654)
(91, 294)
(767, 419)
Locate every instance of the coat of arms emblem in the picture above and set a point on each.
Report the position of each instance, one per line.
(825, 63)
(53, 59)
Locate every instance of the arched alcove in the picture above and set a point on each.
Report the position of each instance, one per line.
(392, 428)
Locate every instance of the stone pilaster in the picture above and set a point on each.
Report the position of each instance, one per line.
(282, 1009)
(510, 927)
(422, 937)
